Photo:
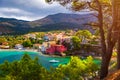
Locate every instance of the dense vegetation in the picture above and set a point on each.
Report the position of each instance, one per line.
(30, 69)
(21, 39)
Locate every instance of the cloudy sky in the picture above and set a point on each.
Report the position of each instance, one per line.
(29, 9)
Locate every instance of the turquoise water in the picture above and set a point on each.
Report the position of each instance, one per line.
(44, 60)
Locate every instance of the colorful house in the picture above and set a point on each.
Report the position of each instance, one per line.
(43, 49)
(5, 45)
(46, 38)
(56, 48)
(36, 46)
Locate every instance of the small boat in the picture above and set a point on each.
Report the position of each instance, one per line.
(53, 61)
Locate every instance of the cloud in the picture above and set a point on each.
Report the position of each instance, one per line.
(14, 10)
(29, 9)
(15, 13)
(27, 4)
(21, 17)
(18, 14)
(40, 4)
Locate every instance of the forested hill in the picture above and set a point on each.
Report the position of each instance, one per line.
(64, 21)
(11, 25)
(59, 21)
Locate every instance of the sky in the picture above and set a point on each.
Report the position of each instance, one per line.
(29, 9)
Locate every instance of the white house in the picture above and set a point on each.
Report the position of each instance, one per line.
(18, 46)
(43, 48)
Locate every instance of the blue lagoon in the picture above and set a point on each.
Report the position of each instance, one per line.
(12, 55)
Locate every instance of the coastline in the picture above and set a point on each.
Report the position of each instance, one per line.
(30, 50)
(40, 53)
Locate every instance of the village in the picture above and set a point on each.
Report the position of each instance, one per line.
(62, 43)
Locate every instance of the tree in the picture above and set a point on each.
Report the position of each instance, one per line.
(109, 39)
(30, 69)
(27, 43)
(25, 69)
(2, 39)
(78, 69)
(40, 35)
(76, 42)
(83, 34)
(116, 14)
(5, 68)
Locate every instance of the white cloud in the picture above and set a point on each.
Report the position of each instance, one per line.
(18, 14)
(29, 9)
(22, 17)
(35, 3)
(14, 10)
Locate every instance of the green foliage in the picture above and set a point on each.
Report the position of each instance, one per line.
(30, 69)
(114, 54)
(91, 67)
(77, 5)
(113, 66)
(5, 68)
(13, 40)
(40, 41)
(83, 34)
(40, 35)
(25, 69)
(27, 43)
(78, 69)
(2, 39)
(76, 42)
(33, 41)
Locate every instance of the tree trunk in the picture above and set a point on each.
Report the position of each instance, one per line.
(105, 58)
(112, 37)
(105, 63)
(116, 7)
(104, 68)
(118, 53)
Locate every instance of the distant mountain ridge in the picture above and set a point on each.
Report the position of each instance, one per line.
(63, 17)
(11, 25)
(60, 21)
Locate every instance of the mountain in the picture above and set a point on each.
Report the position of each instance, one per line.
(11, 25)
(64, 21)
(68, 18)
(61, 21)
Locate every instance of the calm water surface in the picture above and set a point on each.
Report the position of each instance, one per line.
(12, 55)
(44, 60)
